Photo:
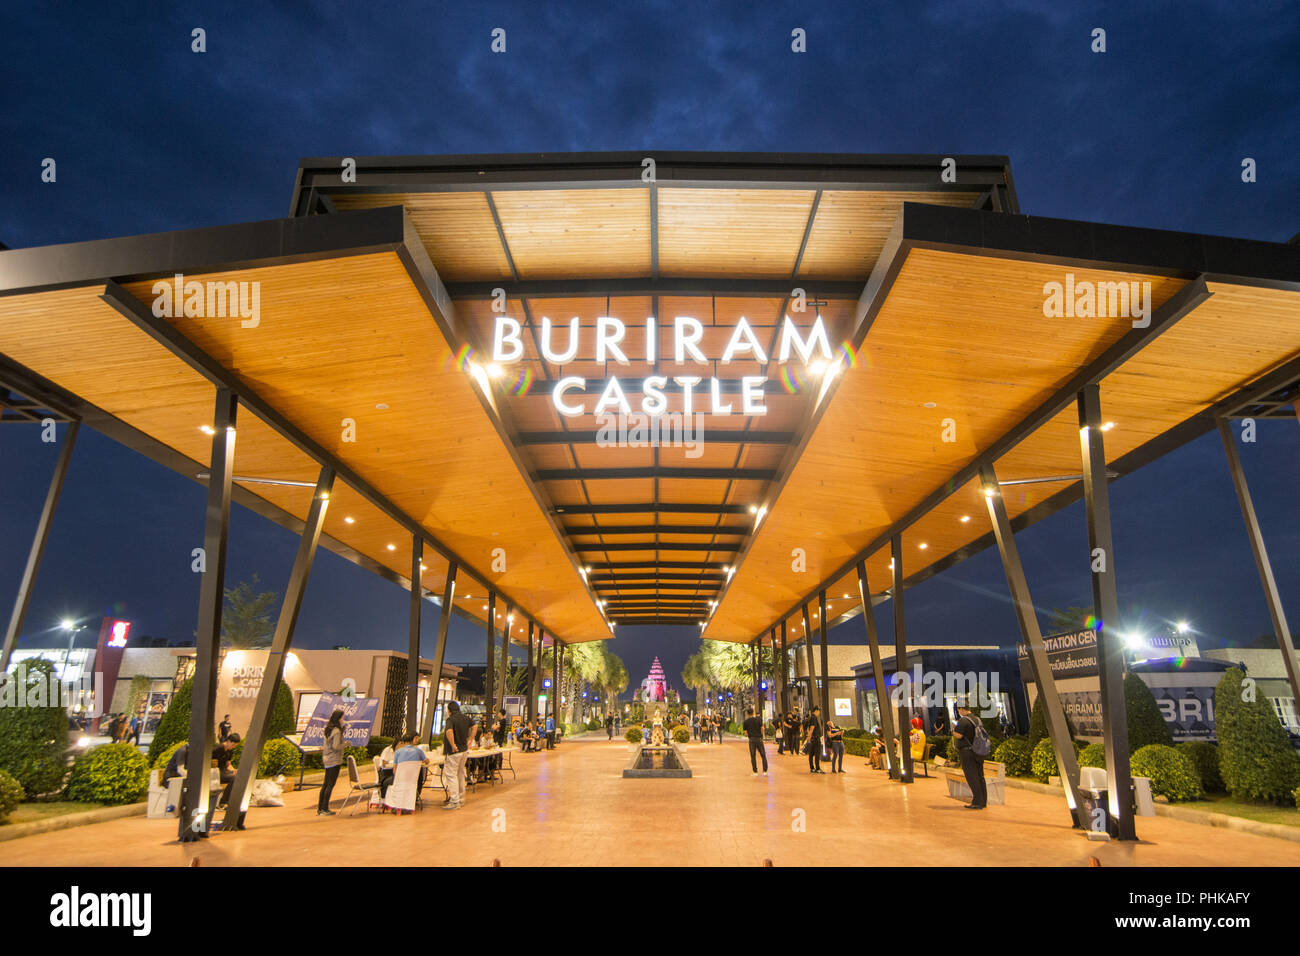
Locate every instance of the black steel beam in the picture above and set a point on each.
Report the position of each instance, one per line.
(645, 507)
(826, 665)
(1105, 602)
(37, 551)
(1040, 667)
(195, 813)
(878, 674)
(684, 286)
(505, 654)
(715, 437)
(597, 474)
(689, 529)
(1262, 564)
(489, 672)
(651, 546)
(609, 565)
(413, 638)
(281, 642)
(905, 690)
(439, 653)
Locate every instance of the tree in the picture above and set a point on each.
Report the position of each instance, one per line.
(282, 719)
(517, 681)
(246, 619)
(33, 737)
(1256, 758)
(1146, 724)
(1072, 618)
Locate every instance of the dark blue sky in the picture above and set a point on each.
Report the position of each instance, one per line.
(149, 136)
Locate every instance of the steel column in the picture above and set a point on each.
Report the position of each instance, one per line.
(37, 552)
(216, 525)
(553, 698)
(489, 672)
(826, 666)
(905, 689)
(785, 672)
(1110, 647)
(1057, 728)
(530, 702)
(272, 675)
(413, 640)
(808, 658)
(440, 651)
(878, 672)
(505, 654)
(1280, 630)
(538, 670)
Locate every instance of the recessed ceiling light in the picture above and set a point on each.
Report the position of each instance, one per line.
(349, 520)
(923, 546)
(965, 518)
(1108, 426)
(207, 429)
(930, 405)
(382, 406)
(392, 547)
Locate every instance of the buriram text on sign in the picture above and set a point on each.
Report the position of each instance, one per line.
(507, 347)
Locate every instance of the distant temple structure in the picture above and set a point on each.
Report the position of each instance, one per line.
(655, 687)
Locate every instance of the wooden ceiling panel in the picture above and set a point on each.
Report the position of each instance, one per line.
(731, 232)
(555, 233)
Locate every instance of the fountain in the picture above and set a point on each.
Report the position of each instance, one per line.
(658, 757)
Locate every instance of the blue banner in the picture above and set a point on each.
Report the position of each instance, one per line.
(358, 714)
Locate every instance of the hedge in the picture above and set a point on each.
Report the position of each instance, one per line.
(940, 743)
(1256, 758)
(1017, 754)
(1146, 724)
(633, 735)
(1093, 755)
(1172, 774)
(1205, 758)
(161, 761)
(113, 774)
(376, 745)
(682, 735)
(11, 794)
(858, 746)
(33, 739)
(856, 732)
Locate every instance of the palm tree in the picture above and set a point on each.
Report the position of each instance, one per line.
(246, 620)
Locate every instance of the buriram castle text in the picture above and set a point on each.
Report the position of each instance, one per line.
(812, 349)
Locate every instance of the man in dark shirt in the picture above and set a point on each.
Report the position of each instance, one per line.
(754, 734)
(812, 737)
(222, 754)
(223, 729)
(176, 764)
(791, 731)
(972, 764)
(455, 744)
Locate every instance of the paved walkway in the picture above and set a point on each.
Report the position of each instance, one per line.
(572, 807)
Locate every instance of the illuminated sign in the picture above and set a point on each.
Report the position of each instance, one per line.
(814, 350)
(117, 636)
(843, 707)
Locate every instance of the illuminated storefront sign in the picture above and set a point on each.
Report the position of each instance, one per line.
(814, 351)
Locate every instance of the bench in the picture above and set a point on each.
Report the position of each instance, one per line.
(995, 776)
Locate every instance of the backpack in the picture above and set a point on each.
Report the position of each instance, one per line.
(981, 745)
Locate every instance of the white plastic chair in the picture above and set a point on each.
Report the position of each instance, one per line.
(401, 792)
(358, 789)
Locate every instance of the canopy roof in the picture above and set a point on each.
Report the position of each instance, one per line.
(378, 306)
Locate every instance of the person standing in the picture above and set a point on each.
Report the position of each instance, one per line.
(972, 764)
(501, 729)
(137, 724)
(835, 744)
(550, 732)
(812, 740)
(719, 725)
(790, 727)
(754, 734)
(609, 726)
(332, 758)
(455, 744)
(223, 729)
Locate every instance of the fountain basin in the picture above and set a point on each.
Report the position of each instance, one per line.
(650, 761)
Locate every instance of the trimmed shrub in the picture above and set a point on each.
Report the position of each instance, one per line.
(950, 753)
(1205, 758)
(1093, 755)
(1037, 722)
(281, 757)
(734, 728)
(1043, 762)
(633, 735)
(1297, 797)
(682, 735)
(856, 732)
(359, 754)
(1017, 754)
(858, 746)
(282, 720)
(1256, 759)
(113, 773)
(160, 763)
(1173, 775)
(174, 727)
(1146, 724)
(33, 738)
(11, 794)
(594, 724)
(940, 743)
(374, 748)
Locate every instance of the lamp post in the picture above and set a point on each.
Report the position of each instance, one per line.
(72, 627)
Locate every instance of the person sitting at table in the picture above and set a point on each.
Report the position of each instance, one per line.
(409, 751)
(386, 764)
